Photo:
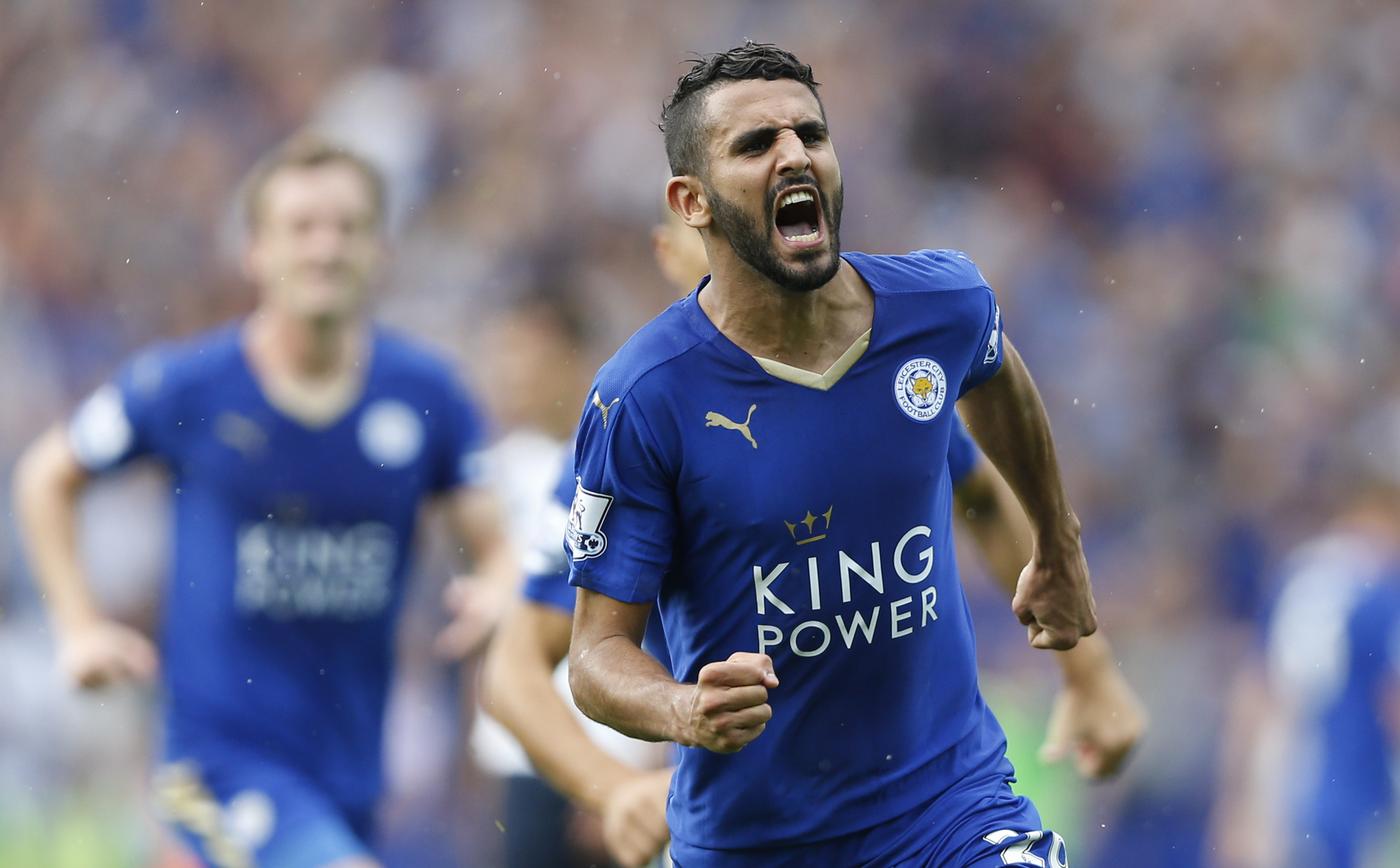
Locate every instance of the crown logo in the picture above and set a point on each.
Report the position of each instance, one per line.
(809, 522)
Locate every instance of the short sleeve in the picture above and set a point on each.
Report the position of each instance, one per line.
(126, 418)
(962, 452)
(986, 357)
(545, 563)
(622, 521)
(459, 435)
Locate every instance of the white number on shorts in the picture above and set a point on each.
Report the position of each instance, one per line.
(1020, 852)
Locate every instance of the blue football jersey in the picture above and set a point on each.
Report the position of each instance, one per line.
(1334, 658)
(963, 454)
(1355, 796)
(291, 543)
(1349, 794)
(547, 567)
(808, 518)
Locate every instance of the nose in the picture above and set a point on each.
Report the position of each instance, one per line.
(793, 158)
(326, 243)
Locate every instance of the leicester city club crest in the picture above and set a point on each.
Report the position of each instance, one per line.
(919, 389)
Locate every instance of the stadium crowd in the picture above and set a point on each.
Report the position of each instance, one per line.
(1189, 211)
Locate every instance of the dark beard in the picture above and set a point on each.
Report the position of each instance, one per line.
(753, 242)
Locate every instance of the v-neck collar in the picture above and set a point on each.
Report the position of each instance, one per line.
(828, 378)
(780, 370)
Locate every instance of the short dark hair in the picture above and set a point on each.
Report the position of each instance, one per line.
(307, 151)
(681, 117)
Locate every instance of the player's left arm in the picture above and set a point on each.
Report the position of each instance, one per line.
(1007, 418)
(1096, 716)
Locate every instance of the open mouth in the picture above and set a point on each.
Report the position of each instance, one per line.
(798, 217)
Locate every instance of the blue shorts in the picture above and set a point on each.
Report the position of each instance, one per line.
(245, 812)
(970, 826)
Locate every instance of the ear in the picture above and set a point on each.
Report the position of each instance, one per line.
(686, 197)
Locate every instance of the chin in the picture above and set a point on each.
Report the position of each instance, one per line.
(328, 304)
(811, 272)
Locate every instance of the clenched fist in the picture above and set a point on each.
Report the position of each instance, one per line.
(1054, 601)
(729, 703)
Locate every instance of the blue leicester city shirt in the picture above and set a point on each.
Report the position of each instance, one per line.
(291, 543)
(547, 568)
(1334, 655)
(1357, 790)
(810, 521)
(1351, 792)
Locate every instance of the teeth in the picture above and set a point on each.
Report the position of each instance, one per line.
(794, 198)
(810, 236)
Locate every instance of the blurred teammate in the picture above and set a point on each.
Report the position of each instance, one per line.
(1321, 736)
(1097, 717)
(768, 461)
(301, 443)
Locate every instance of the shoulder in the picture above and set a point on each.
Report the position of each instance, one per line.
(922, 271)
(174, 366)
(652, 355)
(1379, 604)
(403, 354)
(408, 361)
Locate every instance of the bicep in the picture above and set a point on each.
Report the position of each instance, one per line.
(1011, 370)
(598, 617)
(989, 409)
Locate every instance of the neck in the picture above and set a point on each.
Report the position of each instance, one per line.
(304, 349)
(794, 327)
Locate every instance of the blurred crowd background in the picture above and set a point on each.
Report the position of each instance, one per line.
(1189, 210)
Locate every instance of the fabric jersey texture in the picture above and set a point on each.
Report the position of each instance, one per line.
(291, 546)
(547, 564)
(811, 524)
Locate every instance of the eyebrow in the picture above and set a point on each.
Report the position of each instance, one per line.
(765, 135)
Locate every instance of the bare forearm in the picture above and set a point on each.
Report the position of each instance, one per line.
(619, 685)
(1090, 659)
(48, 483)
(518, 689)
(1008, 420)
(989, 511)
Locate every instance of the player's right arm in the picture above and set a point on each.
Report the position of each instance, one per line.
(622, 526)
(618, 684)
(93, 649)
